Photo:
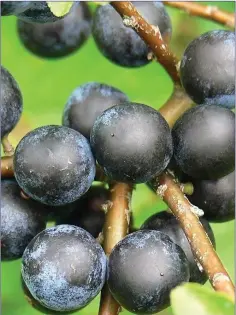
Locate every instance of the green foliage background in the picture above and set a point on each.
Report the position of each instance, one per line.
(46, 85)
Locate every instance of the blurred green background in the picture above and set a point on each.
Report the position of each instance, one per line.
(46, 85)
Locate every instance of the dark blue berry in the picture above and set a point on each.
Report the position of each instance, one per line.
(14, 7)
(121, 44)
(87, 102)
(60, 38)
(143, 269)
(64, 268)
(11, 102)
(207, 69)
(20, 221)
(132, 142)
(54, 165)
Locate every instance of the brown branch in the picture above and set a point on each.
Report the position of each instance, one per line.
(151, 35)
(205, 11)
(200, 243)
(115, 229)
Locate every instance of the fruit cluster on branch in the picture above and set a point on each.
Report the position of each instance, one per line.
(106, 137)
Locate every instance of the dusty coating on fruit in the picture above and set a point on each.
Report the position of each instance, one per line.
(87, 102)
(20, 221)
(11, 102)
(120, 43)
(60, 38)
(39, 12)
(132, 142)
(64, 268)
(207, 69)
(168, 224)
(14, 7)
(54, 165)
(143, 268)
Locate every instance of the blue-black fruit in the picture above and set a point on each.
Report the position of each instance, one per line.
(204, 142)
(207, 69)
(14, 7)
(143, 269)
(121, 44)
(87, 102)
(60, 38)
(64, 268)
(11, 102)
(54, 165)
(167, 223)
(88, 212)
(20, 221)
(132, 142)
(40, 12)
(215, 197)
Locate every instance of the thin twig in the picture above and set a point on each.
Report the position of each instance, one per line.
(206, 11)
(200, 243)
(151, 35)
(115, 229)
(7, 167)
(7, 146)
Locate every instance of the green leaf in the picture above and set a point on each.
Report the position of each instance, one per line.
(60, 8)
(194, 299)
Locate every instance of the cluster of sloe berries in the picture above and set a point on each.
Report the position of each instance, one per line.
(64, 267)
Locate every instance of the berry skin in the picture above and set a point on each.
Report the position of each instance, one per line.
(60, 38)
(20, 221)
(204, 142)
(132, 142)
(88, 213)
(167, 223)
(11, 102)
(39, 12)
(54, 165)
(207, 69)
(87, 102)
(119, 43)
(143, 268)
(215, 198)
(14, 7)
(64, 268)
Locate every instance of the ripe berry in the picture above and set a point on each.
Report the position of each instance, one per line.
(132, 142)
(64, 268)
(60, 38)
(14, 7)
(204, 142)
(87, 102)
(54, 165)
(215, 197)
(167, 223)
(39, 12)
(11, 102)
(143, 268)
(20, 221)
(119, 43)
(207, 69)
(88, 212)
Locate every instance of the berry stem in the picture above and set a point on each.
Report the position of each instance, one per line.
(176, 105)
(7, 166)
(151, 35)
(7, 147)
(199, 241)
(206, 11)
(115, 229)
